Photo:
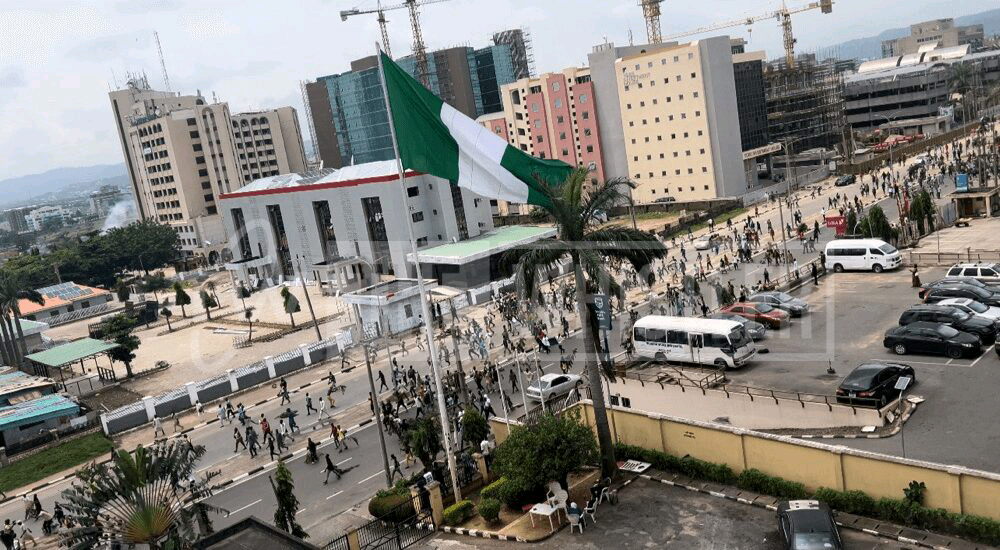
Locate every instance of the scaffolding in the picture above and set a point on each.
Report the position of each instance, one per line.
(521, 50)
(805, 104)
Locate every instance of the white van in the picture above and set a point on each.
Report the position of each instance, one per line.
(716, 342)
(861, 254)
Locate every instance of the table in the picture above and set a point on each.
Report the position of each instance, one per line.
(543, 509)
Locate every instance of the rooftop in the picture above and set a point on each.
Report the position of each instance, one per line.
(60, 295)
(325, 178)
(487, 244)
(387, 287)
(29, 412)
(13, 381)
(71, 352)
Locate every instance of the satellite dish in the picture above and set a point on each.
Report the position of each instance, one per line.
(156, 112)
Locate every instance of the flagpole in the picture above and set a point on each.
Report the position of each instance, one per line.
(424, 306)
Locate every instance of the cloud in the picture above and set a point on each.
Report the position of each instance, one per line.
(113, 47)
(12, 77)
(147, 6)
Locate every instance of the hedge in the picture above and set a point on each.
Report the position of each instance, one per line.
(496, 490)
(390, 504)
(458, 512)
(902, 511)
(489, 508)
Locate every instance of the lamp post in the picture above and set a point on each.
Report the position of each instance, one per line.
(302, 277)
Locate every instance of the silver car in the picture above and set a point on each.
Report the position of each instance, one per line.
(551, 385)
(794, 306)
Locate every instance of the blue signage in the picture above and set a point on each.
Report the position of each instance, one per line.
(961, 182)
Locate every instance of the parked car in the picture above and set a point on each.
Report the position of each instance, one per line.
(843, 181)
(931, 338)
(707, 241)
(794, 306)
(666, 199)
(873, 384)
(551, 385)
(959, 320)
(960, 280)
(755, 330)
(935, 294)
(983, 272)
(808, 525)
(971, 306)
(766, 314)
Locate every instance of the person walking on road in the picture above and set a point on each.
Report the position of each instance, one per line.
(381, 381)
(331, 468)
(252, 444)
(222, 415)
(395, 467)
(322, 410)
(265, 427)
(815, 274)
(26, 535)
(309, 405)
(158, 427)
(7, 535)
(270, 447)
(239, 440)
(283, 392)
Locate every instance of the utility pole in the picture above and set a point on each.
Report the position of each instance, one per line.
(378, 413)
(463, 391)
(789, 173)
(302, 277)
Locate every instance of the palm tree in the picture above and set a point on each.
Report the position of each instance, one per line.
(248, 314)
(577, 217)
(12, 291)
(210, 286)
(149, 497)
(290, 303)
(166, 313)
(181, 298)
(208, 302)
(959, 82)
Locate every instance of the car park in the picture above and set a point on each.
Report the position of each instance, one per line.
(960, 281)
(983, 272)
(932, 339)
(985, 329)
(552, 385)
(971, 306)
(808, 525)
(765, 314)
(861, 255)
(873, 384)
(935, 294)
(843, 181)
(755, 330)
(781, 300)
(707, 241)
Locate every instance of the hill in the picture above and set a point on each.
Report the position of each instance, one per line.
(25, 188)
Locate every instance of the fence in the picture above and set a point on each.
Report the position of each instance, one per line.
(82, 314)
(949, 258)
(904, 150)
(387, 533)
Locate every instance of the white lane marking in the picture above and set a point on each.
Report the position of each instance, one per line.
(333, 495)
(378, 473)
(348, 459)
(245, 507)
(908, 362)
(989, 349)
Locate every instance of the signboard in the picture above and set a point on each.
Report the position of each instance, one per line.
(602, 311)
(631, 78)
(837, 222)
(902, 382)
(961, 182)
(760, 151)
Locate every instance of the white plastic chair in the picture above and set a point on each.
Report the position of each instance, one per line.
(574, 521)
(591, 509)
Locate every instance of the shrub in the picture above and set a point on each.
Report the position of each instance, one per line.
(458, 512)
(489, 508)
(915, 492)
(392, 506)
(496, 490)
(757, 481)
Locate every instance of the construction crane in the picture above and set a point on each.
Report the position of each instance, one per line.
(163, 65)
(783, 16)
(651, 11)
(419, 49)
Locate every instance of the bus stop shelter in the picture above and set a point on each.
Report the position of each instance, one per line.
(77, 351)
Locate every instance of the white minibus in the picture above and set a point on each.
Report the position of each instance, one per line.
(861, 254)
(694, 340)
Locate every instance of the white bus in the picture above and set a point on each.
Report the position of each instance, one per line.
(861, 254)
(695, 340)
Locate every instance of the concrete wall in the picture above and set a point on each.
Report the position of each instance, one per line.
(290, 364)
(815, 465)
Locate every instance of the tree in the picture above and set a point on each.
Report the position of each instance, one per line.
(922, 211)
(13, 289)
(242, 293)
(145, 498)
(51, 224)
(590, 247)
(181, 297)
(154, 283)
(166, 313)
(959, 82)
(291, 304)
(475, 427)
(119, 331)
(143, 245)
(210, 287)
(550, 449)
(208, 302)
(122, 290)
(284, 514)
(877, 225)
(248, 315)
(425, 441)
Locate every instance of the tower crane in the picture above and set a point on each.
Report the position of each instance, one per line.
(783, 16)
(419, 49)
(651, 11)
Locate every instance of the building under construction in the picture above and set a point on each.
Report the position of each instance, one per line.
(805, 104)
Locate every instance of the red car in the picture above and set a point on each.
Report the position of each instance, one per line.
(769, 316)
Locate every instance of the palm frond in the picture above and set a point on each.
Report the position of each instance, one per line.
(638, 248)
(524, 263)
(612, 193)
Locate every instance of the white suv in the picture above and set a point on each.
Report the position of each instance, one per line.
(986, 272)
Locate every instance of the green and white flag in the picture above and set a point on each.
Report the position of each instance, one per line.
(435, 138)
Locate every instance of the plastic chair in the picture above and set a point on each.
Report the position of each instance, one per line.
(574, 521)
(590, 509)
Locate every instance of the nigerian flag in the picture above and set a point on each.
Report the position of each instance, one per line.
(434, 138)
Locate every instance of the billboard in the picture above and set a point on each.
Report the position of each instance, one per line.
(961, 182)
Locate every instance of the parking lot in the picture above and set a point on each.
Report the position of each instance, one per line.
(849, 314)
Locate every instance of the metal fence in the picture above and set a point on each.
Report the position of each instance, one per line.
(339, 543)
(949, 258)
(388, 534)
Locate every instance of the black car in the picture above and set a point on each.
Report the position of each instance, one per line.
(844, 181)
(931, 338)
(808, 525)
(873, 384)
(937, 293)
(956, 280)
(985, 329)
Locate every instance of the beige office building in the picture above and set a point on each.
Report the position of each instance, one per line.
(934, 34)
(681, 123)
(182, 153)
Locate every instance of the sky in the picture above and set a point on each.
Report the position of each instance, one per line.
(58, 58)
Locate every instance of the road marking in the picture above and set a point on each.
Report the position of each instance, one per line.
(348, 459)
(378, 473)
(245, 507)
(333, 495)
(908, 362)
(989, 349)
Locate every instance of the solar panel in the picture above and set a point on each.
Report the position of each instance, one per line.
(65, 291)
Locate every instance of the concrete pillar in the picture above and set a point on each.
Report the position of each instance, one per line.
(147, 402)
(955, 501)
(192, 389)
(481, 466)
(418, 506)
(838, 471)
(104, 424)
(304, 349)
(233, 384)
(353, 541)
(437, 502)
(269, 361)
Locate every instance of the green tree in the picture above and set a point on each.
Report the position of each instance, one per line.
(922, 211)
(590, 247)
(852, 222)
(145, 498)
(425, 441)
(143, 245)
(248, 315)
(211, 288)
(122, 290)
(13, 289)
(118, 330)
(959, 82)
(242, 292)
(181, 297)
(550, 449)
(475, 427)
(208, 302)
(166, 313)
(52, 224)
(155, 283)
(291, 304)
(878, 225)
(284, 492)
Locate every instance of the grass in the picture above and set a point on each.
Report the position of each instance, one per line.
(719, 220)
(52, 461)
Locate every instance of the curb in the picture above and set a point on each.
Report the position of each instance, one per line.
(895, 429)
(477, 533)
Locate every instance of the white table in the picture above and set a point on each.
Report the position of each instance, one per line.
(543, 509)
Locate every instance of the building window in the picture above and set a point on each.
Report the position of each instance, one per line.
(193, 134)
(191, 122)
(676, 59)
(586, 132)
(692, 75)
(590, 148)
(582, 98)
(690, 55)
(565, 152)
(538, 139)
(697, 113)
(558, 103)
(555, 86)
(417, 217)
(559, 119)
(412, 191)
(408, 311)
(586, 115)
(695, 94)
(690, 171)
(706, 188)
(534, 107)
(421, 241)
(704, 170)
(702, 151)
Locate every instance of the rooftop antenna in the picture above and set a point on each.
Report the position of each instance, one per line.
(163, 66)
(215, 99)
(630, 41)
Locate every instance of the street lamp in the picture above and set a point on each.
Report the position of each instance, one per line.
(302, 277)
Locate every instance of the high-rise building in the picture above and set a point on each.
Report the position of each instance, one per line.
(348, 109)
(519, 42)
(551, 116)
(680, 121)
(934, 34)
(805, 104)
(183, 152)
(15, 217)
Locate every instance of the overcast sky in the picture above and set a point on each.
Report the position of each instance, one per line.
(58, 57)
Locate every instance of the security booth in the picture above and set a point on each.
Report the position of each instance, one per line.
(976, 204)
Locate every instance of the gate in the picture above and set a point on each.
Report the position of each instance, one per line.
(107, 375)
(392, 532)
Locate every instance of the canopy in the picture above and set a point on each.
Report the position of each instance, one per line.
(72, 352)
